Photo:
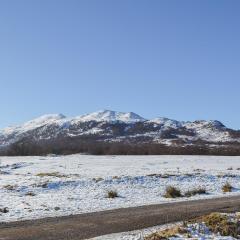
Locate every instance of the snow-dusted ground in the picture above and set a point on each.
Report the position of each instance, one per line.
(140, 234)
(198, 231)
(192, 231)
(82, 181)
(135, 235)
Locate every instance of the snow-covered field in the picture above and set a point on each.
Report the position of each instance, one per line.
(36, 187)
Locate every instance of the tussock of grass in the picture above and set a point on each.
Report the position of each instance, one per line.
(32, 194)
(195, 191)
(51, 174)
(116, 177)
(112, 194)
(98, 179)
(220, 223)
(4, 210)
(10, 187)
(227, 187)
(154, 175)
(168, 175)
(44, 185)
(172, 192)
(217, 223)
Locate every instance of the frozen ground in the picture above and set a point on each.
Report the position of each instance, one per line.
(135, 235)
(140, 234)
(36, 187)
(197, 231)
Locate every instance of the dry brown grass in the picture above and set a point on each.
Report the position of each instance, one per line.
(51, 174)
(216, 222)
(116, 177)
(97, 179)
(166, 234)
(172, 192)
(112, 194)
(227, 187)
(220, 223)
(10, 187)
(196, 191)
(31, 194)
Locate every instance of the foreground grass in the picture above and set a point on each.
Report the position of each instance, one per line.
(51, 174)
(196, 191)
(227, 187)
(214, 223)
(112, 194)
(173, 192)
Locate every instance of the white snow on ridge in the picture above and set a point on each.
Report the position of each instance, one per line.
(111, 116)
(212, 131)
(166, 122)
(61, 120)
(33, 124)
(208, 130)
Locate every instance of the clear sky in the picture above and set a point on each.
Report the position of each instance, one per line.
(172, 58)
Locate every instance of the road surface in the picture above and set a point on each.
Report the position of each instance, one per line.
(84, 226)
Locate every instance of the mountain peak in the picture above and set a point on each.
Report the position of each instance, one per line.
(159, 130)
(112, 116)
(207, 123)
(166, 122)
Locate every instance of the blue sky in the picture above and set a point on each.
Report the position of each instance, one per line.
(178, 59)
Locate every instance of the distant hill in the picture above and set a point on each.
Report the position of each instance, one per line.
(111, 132)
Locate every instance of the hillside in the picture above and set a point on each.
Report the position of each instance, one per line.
(111, 132)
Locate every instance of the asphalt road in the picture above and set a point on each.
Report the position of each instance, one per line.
(84, 226)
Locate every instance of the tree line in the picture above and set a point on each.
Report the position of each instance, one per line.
(89, 146)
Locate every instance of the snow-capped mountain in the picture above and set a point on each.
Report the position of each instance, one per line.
(111, 116)
(166, 122)
(117, 127)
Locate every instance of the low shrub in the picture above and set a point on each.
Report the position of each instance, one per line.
(98, 179)
(220, 223)
(196, 191)
(112, 194)
(51, 174)
(10, 187)
(32, 194)
(227, 187)
(4, 210)
(172, 192)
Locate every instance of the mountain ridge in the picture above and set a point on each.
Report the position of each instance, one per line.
(107, 126)
(107, 115)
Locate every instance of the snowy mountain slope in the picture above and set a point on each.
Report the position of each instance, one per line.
(111, 116)
(213, 131)
(33, 124)
(166, 122)
(111, 126)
